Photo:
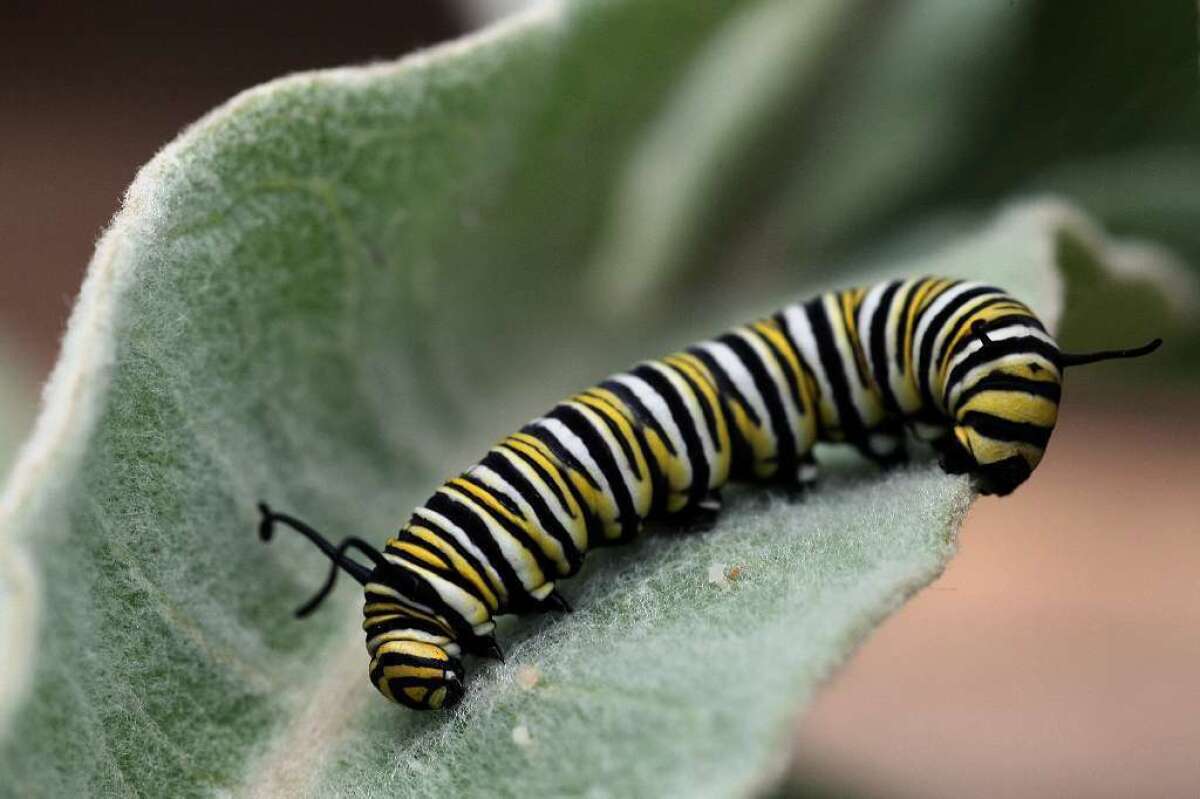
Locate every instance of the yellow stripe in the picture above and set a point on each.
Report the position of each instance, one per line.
(417, 614)
(423, 554)
(1015, 406)
(602, 405)
(460, 565)
(576, 525)
(700, 375)
(808, 391)
(928, 290)
(549, 545)
(987, 450)
(401, 671)
(519, 443)
(984, 315)
(456, 487)
(413, 648)
(851, 300)
(377, 607)
(668, 464)
(761, 446)
(486, 497)
(371, 621)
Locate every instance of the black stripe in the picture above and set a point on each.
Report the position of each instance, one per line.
(526, 540)
(1002, 382)
(545, 477)
(1007, 430)
(592, 523)
(998, 349)
(878, 333)
(606, 460)
(925, 350)
(741, 460)
(397, 684)
(683, 420)
(450, 541)
(477, 531)
(849, 419)
(902, 322)
(427, 596)
(725, 384)
(446, 571)
(805, 367)
(405, 623)
(639, 411)
(853, 338)
(991, 324)
(785, 441)
(657, 477)
(548, 480)
(706, 409)
(546, 520)
(421, 592)
(385, 659)
(561, 453)
(790, 377)
(617, 433)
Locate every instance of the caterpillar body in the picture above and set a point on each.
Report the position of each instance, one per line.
(962, 365)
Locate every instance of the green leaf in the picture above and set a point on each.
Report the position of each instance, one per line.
(16, 403)
(331, 293)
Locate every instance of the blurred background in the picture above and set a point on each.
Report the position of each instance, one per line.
(1059, 654)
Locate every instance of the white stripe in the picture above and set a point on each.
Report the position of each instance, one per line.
(931, 371)
(692, 402)
(866, 314)
(801, 331)
(639, 489)
(866, 404)
(936, 307)
(741, 378)
(657, 406)
(463, 601)
(902, 390)
(792, 414)
(464, 540)
(979, 372)
(576, 528)
(519, 558)
(1015, 330)
(387, 590)
(494, 481)
(407, 634)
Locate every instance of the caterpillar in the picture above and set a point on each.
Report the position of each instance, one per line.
(963, 366)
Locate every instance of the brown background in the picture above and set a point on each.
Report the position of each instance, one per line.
(1059, 654)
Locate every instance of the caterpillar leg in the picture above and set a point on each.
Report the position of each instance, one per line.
(700, 517)
(885, 446)
(557, 603)
(952, 456)
(804, 479)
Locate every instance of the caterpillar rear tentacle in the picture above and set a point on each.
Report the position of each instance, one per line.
(961, 365)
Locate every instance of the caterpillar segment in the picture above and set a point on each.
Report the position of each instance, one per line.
(961, 365)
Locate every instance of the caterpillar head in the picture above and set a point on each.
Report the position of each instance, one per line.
(1004, 398)
(414, 660)
(416, 674)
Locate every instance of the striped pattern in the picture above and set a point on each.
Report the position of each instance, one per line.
(963, 365)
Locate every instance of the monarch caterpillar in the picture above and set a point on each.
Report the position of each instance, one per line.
(963, 365)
